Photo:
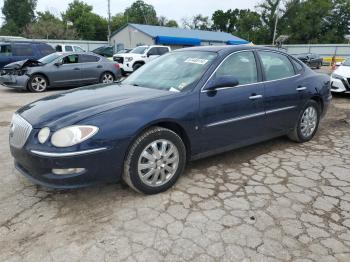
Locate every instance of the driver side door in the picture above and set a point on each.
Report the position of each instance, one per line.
(69, 73)
(233, 116)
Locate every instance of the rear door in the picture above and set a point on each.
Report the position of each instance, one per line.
(282, 91)
(91, 68)
(69, 73)
(233, 116)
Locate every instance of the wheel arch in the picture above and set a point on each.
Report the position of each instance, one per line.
(41, 74)
(318, 99)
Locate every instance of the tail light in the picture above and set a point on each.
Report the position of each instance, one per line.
(116, 66)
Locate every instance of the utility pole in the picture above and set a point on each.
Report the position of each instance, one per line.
(276, 22)
(109, 21)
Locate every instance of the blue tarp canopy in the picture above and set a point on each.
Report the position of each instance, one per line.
(170, 40)
(237, 42)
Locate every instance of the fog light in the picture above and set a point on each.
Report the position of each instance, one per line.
(67, 171)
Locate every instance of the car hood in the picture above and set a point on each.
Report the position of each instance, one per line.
(343, 71)
(23, 63)
(128, 55)
(71, 107)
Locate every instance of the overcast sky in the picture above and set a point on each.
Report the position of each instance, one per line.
(172, 9)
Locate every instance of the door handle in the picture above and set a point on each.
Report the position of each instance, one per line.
(77, 68)
(254, 97)
(301, 88)
(99, 66)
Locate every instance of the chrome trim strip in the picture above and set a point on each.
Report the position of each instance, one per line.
(280, 109)
(235, 119)
(267, 81)
(76, 153)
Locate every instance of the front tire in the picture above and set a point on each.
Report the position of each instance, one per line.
(136, 66)
(308, 122)
(37, 84)
(155, 161)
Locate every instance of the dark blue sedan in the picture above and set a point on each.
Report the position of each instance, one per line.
(186, 105)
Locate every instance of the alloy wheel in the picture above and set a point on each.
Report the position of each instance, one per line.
(158, 163)
(107, 79)
(39, 84)
(308, 122)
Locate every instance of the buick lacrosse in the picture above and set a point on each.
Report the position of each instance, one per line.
(185, 105)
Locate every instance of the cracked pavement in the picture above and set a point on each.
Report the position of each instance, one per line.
(275, 201)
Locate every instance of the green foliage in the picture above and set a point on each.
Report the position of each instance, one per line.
(50, 27)
(141, 13)
(197, 22)
(17, 14)
(88, 25)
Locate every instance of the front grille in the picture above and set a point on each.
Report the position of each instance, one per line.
(19, 131)
(119, 59)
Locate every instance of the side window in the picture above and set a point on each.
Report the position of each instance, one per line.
(45, 49)
(70, 59)
(22, 50)
(299, 68)
(242, 66)
(163, 50)
(5, 50)
(88, 58)
(68, 48)
(58, 48)
(78, 49)
(276, 66)
(153, 51)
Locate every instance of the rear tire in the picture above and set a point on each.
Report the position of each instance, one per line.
(107, 78)
(307, 124)
(37, 84)
(155, 161)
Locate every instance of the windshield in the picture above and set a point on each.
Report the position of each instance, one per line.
(346, 62)
(49, 58)
(173, 72)
(139, 50)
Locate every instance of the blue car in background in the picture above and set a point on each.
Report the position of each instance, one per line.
(14, 51)
(185, 105)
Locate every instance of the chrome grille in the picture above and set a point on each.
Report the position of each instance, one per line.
(19, 131)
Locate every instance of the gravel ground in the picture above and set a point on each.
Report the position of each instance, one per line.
(275, 201)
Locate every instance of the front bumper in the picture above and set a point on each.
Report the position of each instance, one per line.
(126, 67)
(340, 85)
(101, 166)
(15, 81)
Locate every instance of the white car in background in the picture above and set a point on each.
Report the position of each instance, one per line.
(68, 48)
(130, 62)
(340, 78)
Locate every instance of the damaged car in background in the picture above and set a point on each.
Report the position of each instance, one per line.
(59, 70)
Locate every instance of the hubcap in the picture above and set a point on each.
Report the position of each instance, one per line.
(107, 79)
(158, 163)
(308, 121)
(39, 84)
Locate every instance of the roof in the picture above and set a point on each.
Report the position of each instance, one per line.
(225, 48)
(162, 31)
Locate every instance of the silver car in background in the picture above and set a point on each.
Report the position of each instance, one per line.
(58, 70)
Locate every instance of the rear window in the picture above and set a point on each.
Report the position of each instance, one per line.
(78, 49)
(45, 49)
(22, 50)
(88, 59)
(5, 50)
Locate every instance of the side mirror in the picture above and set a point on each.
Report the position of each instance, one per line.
(222, 81)
(58, 63)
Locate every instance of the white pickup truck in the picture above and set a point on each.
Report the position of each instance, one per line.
(130, 62)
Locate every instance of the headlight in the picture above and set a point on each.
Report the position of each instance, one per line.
(72, 135)
(337, 76)
(43, 135)
(128, 59)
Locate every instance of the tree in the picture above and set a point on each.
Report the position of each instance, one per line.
(17, 13)
(171, 23)
(50, 27)
(88, 25)
(141, 13)
(163, 21)
(118, 21)
(269, 11)
(197, 22)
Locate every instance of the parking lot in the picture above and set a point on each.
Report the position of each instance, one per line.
(275, 201)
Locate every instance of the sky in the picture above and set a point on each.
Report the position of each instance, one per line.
(172, 9)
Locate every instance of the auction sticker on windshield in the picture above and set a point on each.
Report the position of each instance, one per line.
(196, 61)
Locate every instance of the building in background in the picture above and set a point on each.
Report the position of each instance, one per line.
(132, 35)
